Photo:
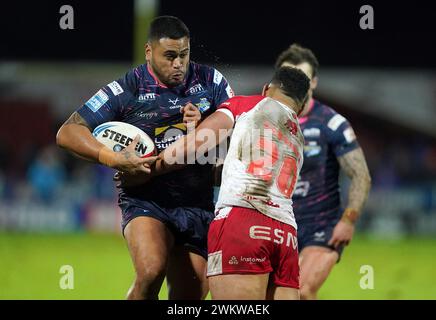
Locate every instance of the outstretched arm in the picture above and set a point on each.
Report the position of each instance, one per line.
(211, 132)
(196, 143)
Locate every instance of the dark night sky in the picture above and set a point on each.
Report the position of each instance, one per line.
(230, 32)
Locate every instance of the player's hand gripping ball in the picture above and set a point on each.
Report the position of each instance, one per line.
(117, 135)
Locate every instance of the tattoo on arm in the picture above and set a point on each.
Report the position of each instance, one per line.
(354, 165)
(76, 118)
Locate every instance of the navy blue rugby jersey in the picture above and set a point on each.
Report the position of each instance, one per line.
(141, 100)
(327, 135)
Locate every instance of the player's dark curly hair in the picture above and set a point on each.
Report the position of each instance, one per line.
(297, 54)
(167, 27)
(292, 82)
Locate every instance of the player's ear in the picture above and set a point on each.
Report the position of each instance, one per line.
(265, 89)
(314, 83)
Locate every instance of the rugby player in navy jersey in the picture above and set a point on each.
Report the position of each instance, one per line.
(164, 221)
(324, 227)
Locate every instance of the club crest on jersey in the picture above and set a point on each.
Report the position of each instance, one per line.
(312, 149)
(203, 105)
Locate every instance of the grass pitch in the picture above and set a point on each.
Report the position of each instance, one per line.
(30, 268)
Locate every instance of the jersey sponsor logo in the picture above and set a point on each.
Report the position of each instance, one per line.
(252, 260)
(233, 260)
(249, 198)
(335, 122)
(217, 77)
(146, 97)
(302, 188)
(215, 263)
(164, 136)
(275, 235)
(146, 115)
(115, 88)
(97, 100)
(198, 88)
(203, 105)
(312, 132)
(312, 149)
(229, 91)
(173, 102)
(349, 135)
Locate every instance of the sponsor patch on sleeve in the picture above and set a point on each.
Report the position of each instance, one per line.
(115, 88)
(230, 92)
(217, 77)
(97, 101)
(335, 122)
(349, 135)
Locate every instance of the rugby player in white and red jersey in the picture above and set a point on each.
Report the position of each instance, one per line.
(252, 242)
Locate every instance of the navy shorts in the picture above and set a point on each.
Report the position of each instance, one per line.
(317, 234)
(188, 225)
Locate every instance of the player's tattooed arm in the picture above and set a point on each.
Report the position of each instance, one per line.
(75, 136)
(354, 165)
(76, 118)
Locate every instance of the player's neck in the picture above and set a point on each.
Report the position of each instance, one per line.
(307, 107)
(288, 102)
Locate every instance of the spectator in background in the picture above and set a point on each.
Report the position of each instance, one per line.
(46, 174)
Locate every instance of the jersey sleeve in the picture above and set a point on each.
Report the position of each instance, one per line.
(108, 103)
(231, 108)
(340, 135)
(221, 88)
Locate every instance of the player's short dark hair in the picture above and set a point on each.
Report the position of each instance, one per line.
(297, 54)
(292, 82)
(167, 27)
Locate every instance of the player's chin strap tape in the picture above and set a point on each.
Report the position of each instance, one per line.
(106, 157)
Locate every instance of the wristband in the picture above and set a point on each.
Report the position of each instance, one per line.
(350, 215)
(106, 157)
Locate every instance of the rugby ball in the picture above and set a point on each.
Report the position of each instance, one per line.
(117, 135)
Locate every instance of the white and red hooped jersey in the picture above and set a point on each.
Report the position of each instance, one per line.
(264, 158)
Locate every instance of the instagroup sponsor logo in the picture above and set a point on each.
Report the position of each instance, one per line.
(252, 260)
(233, 260)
